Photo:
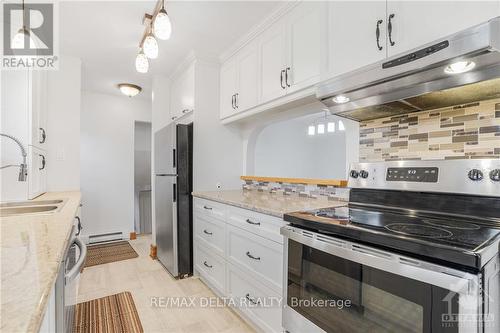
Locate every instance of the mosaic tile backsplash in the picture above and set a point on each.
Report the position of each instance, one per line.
(458, 132)
(321, 192)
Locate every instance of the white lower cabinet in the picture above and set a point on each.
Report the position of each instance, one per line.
(239, 254)
(48, 324)
(37, 172)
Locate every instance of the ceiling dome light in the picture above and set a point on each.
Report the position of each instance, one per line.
(459, 67)
(340, 99)
(162, 26)
(150, 47)
(129, 89)
(141, 63)
(19, 38)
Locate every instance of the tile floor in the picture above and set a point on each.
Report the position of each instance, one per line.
(146, 278)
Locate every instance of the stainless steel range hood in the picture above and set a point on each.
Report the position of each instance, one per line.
(417, 81)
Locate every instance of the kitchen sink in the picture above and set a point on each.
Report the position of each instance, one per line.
(30, 203)
(7, 211)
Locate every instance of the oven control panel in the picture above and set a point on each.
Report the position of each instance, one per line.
(423, 175)
(478, 177)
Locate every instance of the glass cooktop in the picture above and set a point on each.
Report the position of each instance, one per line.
(456, 240)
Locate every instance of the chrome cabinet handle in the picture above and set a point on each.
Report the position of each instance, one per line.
(174, 117)
(44, 135)
(251, 300)
(236, 100)
(43, 162)
(209, 266)
(389, 29)
(377, 34)
(208, 232)
(281, 79)
(79, 225)
(286, 76)
(251, 222)
(207, 208)
(232, 101)
(251, 256)
(70, 276)
(185, 111)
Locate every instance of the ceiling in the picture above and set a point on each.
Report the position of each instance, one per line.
(106, 34)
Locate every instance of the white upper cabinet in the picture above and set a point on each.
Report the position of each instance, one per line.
(272, 50)
(248, 78)
(306, 36)
(228, 87)
(182, 93)
(353, 27)
(415, 23)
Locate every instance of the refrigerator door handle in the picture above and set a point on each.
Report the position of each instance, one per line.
(174, 189)
(174, 158)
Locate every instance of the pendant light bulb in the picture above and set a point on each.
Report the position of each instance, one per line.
(162, 26)
(141, 63)
(19, 38)
(150, 47)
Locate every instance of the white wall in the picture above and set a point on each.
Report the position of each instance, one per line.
(218, 149)
(107, 161)
(63, 125)
(142, 164)
(284, 149)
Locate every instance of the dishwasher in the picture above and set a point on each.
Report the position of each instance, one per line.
(66, 288)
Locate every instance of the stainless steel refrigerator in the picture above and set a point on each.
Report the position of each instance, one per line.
(173, 200)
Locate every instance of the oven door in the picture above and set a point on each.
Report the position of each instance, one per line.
(340, 286)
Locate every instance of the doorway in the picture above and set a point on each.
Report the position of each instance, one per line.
(142, 178)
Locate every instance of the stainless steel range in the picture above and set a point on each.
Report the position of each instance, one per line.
(415, 250)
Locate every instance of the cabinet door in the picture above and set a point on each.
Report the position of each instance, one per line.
(38, 107)
(272, 50)
(228, 88)
(306, 43)
(187, 90)
(175, 100)
(352, 27)
(248, 82)
(37, 165)
(419, 22)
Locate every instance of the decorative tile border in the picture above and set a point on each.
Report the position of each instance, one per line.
(458, 132)
(321, 192)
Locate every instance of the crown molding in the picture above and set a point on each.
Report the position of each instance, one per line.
(258, 29)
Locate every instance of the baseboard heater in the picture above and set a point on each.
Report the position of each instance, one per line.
(109, 237)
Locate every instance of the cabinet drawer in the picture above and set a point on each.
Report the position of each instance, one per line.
(211, 267)
(260, 256)
(260, 224)
(258, 303)
(210, 208)
(210, 231)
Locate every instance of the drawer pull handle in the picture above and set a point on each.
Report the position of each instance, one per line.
(208, 208)
(253, 223)
(252, 257)
(208, 232)
(209, 266)
(251, 300)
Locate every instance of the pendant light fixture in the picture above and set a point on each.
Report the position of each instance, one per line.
(162, 26)
(150, 46)
(22, 36)
(141, 62)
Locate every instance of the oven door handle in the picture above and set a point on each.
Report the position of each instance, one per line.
(73, 273)
(444, 277)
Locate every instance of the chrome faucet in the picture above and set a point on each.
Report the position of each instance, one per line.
(23, 167)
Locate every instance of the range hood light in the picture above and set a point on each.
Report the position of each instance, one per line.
(459, 67)
(340, 99)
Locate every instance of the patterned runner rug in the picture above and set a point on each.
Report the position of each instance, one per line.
(110, 314)
(105, 253)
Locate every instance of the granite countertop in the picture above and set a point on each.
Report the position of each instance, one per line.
(32, 248)
(274, 204)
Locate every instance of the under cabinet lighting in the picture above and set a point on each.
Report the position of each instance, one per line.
(129, 89)
(459, 67)
(311, 130)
